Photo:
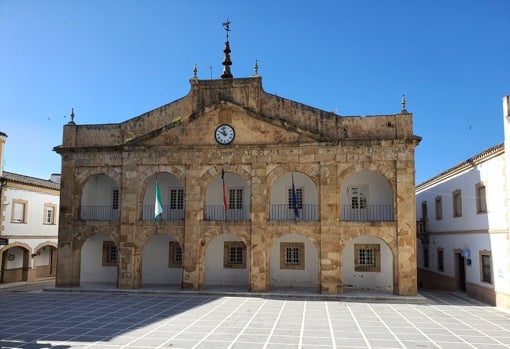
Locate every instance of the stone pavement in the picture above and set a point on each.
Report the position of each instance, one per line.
(58, 319)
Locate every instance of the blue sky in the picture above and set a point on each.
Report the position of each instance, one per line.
(112, 60)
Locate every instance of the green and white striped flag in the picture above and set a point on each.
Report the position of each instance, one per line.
(158, 204)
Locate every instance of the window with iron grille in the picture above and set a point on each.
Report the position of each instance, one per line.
(358, 196)
(176, 199)
(299, 198)
(174, 255)
(292, 255)
(110, 254)
(234, 255)
(115, 199)
(367, 257)
(235, 199)
(486, 266)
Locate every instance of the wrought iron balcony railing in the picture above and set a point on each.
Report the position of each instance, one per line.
(218, 213)
(99, 213)
(285, 212)
(371, 213)
(168, 214)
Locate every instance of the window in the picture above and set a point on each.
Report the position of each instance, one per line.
(292, 255)
(425, 256)
(115, 199)
(439, 208)
(367, 257)
(457, 203)
(440, 259)
(481, 199)
(110, 255)
(485, 266)
(19, 211)
(359, 197)
(49, 213)
(424, 211)
(174, 255)
(235, 199)
(176, 199)
(234, 255)
(299, 198)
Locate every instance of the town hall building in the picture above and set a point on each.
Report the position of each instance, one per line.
(233, 187)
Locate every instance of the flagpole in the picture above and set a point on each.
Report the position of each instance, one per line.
(294, 199)
(158, 205)
(225, 202)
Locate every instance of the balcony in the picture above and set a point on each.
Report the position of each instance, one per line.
(371, 213)
(99, 213)
(284, 212)
(168, 214)
(217, 213)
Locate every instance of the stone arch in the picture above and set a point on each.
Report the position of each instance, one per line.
(43, 244)
(84, 176)
(156, 258)
(212, 172)
(147, 174)
(16, 244)
(311, 171)
(92, 268)
(382, 169)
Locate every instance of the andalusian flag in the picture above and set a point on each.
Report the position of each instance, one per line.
(294, 199)
(158, 204)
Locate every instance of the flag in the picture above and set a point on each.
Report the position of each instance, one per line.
(158, 204)
(225, 202)
(294, 199)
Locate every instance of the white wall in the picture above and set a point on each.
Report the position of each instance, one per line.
(280, 189)
(382, 280)
(379, 190)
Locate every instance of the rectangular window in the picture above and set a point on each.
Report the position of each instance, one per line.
(234, 255)
(439, 208)
(235, 199)
(425, 256)
(176, 199)
(115, 199)
(174, 255)
(457, 203)
(110, 254)
(19, 211)
(49, 214)
(481, 199)
(292, 255)
(359, 197)
(440, 259)
(299, 198)
(367, 257)
(486, 266)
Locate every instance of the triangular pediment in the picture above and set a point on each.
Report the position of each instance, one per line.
(251, 128)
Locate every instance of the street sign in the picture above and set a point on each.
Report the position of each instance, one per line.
(4, 241)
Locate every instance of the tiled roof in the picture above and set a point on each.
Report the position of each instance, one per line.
(37, 182)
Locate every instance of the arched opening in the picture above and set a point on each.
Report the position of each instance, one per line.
(100, 200)
(227, 199)
(99, 260)
(162, 261)
(15, 264)
(227, 262)
(172, 196)
(294, 196)
(367, 264)
(294, 263)
(45, 261)
(366, 196)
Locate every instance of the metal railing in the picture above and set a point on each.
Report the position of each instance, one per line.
(284, 212)
(99, 213)
(168, 214)
(218, 213)
(371, 213)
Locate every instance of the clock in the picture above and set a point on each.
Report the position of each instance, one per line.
(224, 134)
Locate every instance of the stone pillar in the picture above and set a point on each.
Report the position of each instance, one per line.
(329, 210)
(405, 278)
(259, 254)
(191, 279)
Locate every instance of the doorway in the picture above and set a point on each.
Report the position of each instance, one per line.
(461, 271)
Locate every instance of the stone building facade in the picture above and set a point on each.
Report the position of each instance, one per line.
(296, 197)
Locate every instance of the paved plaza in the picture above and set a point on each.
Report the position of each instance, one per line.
(32, 318)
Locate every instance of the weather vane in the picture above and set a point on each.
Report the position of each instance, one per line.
(227, 27)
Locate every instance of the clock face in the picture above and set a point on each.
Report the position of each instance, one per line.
(224, 134)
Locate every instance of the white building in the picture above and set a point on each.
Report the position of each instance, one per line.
(28, 225)
(463, 227)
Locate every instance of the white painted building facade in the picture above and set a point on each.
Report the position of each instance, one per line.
(28, 226)
(463, 226)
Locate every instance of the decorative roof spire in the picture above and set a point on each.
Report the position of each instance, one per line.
(256, 68)
(195, 71)
(403, 102)
(226, 59)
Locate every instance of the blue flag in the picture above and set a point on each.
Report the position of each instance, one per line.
(294, 199)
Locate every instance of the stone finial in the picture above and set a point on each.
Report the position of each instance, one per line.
(195, 71)
(403, 103)
(256, 68)
(226, 59)
(72, 117)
